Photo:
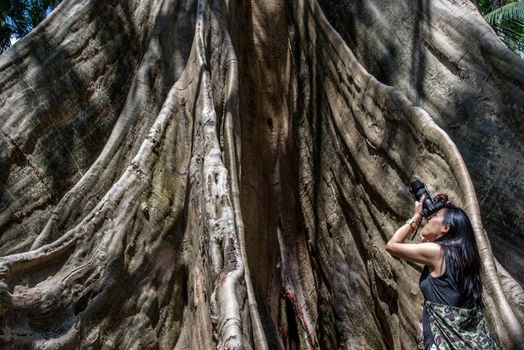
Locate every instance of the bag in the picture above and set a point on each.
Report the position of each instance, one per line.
(458, 328)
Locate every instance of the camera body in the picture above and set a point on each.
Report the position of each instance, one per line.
(430, 205)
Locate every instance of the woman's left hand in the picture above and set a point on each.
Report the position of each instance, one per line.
(417, 216)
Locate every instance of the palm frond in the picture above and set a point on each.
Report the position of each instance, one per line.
(19, 17)
(511, 11)
(5, 38)
(508, 23)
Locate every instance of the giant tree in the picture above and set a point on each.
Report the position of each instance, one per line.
(200, 174)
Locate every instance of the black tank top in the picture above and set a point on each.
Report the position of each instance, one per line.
(442, 290)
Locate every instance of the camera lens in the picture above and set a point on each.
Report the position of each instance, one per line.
(417, 188)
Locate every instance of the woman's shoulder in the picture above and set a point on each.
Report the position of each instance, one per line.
(431, 247)
(432, 253)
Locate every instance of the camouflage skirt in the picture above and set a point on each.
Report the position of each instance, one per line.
(458, 328)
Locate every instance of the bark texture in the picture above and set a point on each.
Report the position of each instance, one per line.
(214, 174)
(444, 58)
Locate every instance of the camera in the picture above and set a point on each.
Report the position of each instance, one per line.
(429, 206)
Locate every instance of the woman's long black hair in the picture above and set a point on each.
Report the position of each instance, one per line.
(461, 248)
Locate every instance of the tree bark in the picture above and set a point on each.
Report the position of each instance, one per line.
(200, 174)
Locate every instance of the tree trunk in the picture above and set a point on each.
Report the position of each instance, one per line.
(200, 174)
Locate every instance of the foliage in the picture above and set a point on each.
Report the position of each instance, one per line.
(19, 17)
(507, 20)
(508, 23)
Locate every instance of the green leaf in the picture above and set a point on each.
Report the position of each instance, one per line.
(19, 17)
(508, 23)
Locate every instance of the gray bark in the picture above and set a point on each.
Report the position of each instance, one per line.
(201, 174)
(445, 59)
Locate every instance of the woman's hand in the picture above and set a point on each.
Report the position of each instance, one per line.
(417, 216)
(427, 253)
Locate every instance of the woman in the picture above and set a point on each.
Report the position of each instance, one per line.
(450, 280)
